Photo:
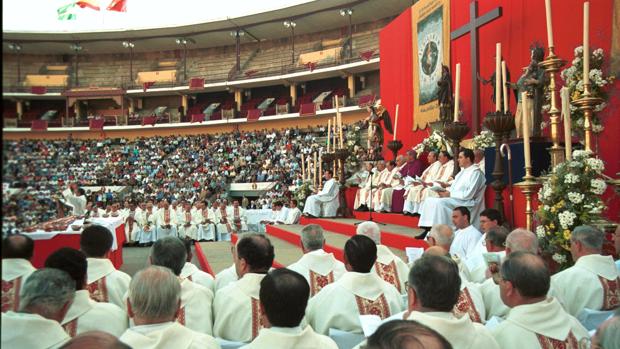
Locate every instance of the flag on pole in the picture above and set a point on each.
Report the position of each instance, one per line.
(92, 4)
(118, 5)
(66, 12)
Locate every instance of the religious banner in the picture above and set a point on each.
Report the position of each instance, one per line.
(431, 49)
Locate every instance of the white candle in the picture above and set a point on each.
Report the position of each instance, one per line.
(457, 91)
(565, 95)
(586, 42)
(329, 132)
(396, 122)
(320, 167)
(334, 133)
(526, 130)
(303, 167)
(309, 169)
(314, 167)
(504, 87)
(549, 24)
(498, 59)
(339, 120)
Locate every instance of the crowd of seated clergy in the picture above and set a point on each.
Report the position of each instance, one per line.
(469, 289)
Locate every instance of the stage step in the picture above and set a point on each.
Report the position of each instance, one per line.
(389, 218)
(396, 236)
(334, 242)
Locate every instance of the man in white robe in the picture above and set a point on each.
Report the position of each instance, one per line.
(413, 189)
(593, 282)
(388, 266)
(17, 251)
(147, 221)
(238, 315)
(191, 272)
(132, 230)
(278, 214)
(317, 266)
(393, 182)
(362, 197)
(195, 311)
(207, 222)
(358, 292)
(166, 219)
(283, 299)
(385, 178)
(225, 277)
(104, 282)
(93, 211)
(467, 190)
(188, 223)
(535, 320)
(46, 298)
(326, 202)
(95, 339)
(85, 314)
(154, 305)
(293, 214)
(519, 240)
(433, 293)
(442, 174)
(359, 177)
(466, 236)
(494, 242)
(75, 198)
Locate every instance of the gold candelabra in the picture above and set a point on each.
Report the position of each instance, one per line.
(586, 103)
(552, 65)
(528, 186)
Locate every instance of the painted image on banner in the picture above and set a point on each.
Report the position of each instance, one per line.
(430, 55)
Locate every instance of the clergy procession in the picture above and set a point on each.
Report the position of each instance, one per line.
(308, 175)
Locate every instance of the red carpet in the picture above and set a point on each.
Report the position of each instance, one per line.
(389, 218)
(202, 259)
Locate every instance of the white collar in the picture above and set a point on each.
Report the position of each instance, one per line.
(287, 330)
(12, 268)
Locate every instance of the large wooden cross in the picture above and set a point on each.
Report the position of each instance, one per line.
(472, 28)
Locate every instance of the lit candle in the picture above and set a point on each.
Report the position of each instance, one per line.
(457, 91)
(329, 132)
(526, 130)
(396, 122)
(303, 166)
(314, 167)
(498, 59)
(504, 87)
(549, 24)
(568, 139)
(586, 42)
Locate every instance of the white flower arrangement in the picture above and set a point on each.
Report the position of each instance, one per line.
(540, 232)
(598, 186)
(484, 140)
(435, 142)
(566, 219)
(575, 198)
(558, 258)
(571, 178)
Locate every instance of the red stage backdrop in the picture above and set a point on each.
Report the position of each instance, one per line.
(521, 24)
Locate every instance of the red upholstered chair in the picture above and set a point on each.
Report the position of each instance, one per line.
(254, 114)
(307, 109)
(38, 90)
(196, 83)
(198, 117)
(149, 120)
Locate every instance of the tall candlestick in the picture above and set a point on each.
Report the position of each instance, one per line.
(309, 169)
(339, 120)
(396, 122)
(498, 59)
(586, 43)
(334, 133)
(320, 167)
(329, 132)
(457, 92)
(314, 167)
(568, 139)
(504, 87)
(526, 131)
(549, 23)
(303, 167)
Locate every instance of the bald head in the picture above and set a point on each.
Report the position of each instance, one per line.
(528, 277)
(371, 230)
(521, 240)
(608, 334)
(407, 334)
(95, 339)
(17, 246)
(436, 251)
(441, 235)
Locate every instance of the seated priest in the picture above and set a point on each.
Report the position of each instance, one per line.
(292, 214)
(398, 334)
(95, 339)
(154, 302)
(535, 320)
(191, 272)
(188, 221)
(440, 171)
(166, 221)
(393, 182)
(317, 266)
(467, 190)
(363, 195)
(17, 251)
(359, 177)
(283, 299)
(358, 292)
(326, 202)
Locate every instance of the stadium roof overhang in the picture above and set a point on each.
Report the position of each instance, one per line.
(310, 17)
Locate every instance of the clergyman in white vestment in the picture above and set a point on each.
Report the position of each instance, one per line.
(76, 199)
(283, 298)
(433, 292)
(466, 237)
(358, 292)
(467, 190)
(317, 266)
(153, 304)
(17, 251)
(593, 281)
(535, 320)
(326, 202)
(104, 282)
(238, 315)
(46, 297)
